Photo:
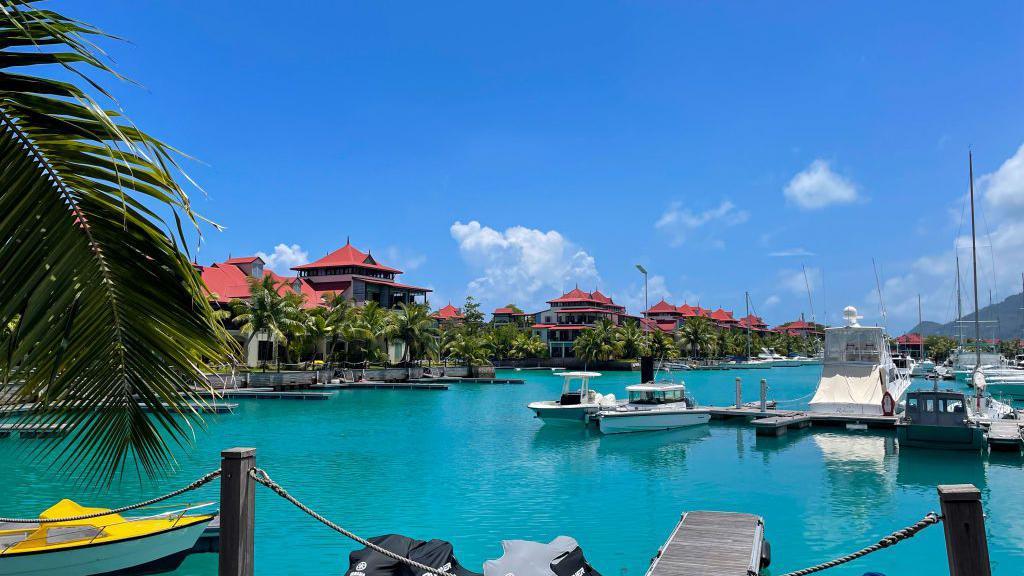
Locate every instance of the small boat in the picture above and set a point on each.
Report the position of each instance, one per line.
(653, 406)
(905, 365)
(939, 419)
(573, 406)
(923, 369)
(105, 544)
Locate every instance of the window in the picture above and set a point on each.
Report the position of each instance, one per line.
(929, 405)
(912, 404)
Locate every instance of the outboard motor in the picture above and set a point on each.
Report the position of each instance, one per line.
(560, 557)
(435, 553)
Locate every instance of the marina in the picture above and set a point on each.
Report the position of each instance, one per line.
(853, 484)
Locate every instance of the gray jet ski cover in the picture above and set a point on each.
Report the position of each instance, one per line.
(560, 557)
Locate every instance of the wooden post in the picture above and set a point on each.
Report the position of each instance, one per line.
(237, 512)
(739, 392)
(764, 394)
(964, 523)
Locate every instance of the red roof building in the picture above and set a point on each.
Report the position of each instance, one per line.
(572, 312)
(508, 315)
(359, 276)
(664, 314)
(448, 315)
(754, 323)
(799, 328)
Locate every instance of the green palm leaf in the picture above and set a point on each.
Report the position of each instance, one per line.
(108, 312)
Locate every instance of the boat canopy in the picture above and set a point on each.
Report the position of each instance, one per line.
(849, 389)
(854, 344)
(656, 393)
(583, 377)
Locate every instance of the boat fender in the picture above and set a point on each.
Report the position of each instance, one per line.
(766, 554)
(888, 404)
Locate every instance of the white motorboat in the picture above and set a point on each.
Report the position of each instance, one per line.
(905, 365)
(574, 406)
(858, 375)
(654, 406)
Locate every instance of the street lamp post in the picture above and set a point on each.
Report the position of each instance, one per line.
(644, 272)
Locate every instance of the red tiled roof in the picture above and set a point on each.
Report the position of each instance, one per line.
(541, 326)
(911, 339)
(504, 310)
(573, 310)
(243, 260)
(225, 282)
(381, 282)
(347, 255)
(449, 312)
(577, 295)
(797, 325)
(724, 316)
(663, 307)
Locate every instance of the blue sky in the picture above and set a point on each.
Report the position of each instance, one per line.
(513, 151)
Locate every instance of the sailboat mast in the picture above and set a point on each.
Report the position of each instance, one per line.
(959, 305)
(974, 265)
(810, 302)
(919, 322)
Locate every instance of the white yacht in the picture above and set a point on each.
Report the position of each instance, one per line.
(966, 358)
(574, 406)
(654, 406)
(905, 365)
(923, 368)
(858, 375)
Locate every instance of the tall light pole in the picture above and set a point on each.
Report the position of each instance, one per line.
(644, 272)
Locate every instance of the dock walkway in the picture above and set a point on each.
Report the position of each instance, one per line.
(1005, 435)
(264, 394)
(712, 544)
(377, 385)
(778, 422)
(26, 430)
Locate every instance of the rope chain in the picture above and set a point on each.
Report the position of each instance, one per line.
(261, 476)
(201, 481)
(890, 540)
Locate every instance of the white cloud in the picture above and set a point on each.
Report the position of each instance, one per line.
(284, 258)
(403, 260)
(1004, 188)
(521, 265)
(789, 252)
(792, 280)
(818, 186)
(678, 222)
(771, 301)
(633, 297)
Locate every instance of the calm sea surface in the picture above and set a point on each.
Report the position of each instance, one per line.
(471, 465)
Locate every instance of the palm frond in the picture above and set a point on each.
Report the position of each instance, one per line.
(113, 320)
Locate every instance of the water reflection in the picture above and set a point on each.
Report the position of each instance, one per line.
(929, 468)
(651, 450)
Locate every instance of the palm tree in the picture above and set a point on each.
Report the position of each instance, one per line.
(374, 326)
(526, 346)
(662, 346)
(471, 349)
(317, 329)
(414, 326)
(340, 318)
(631, 339)
(597, 343)
(696, 334)
(266, 313)
(112, 312)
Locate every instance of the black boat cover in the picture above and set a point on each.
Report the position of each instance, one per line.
(435, 553)
(560, 557)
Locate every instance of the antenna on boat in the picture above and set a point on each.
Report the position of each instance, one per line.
(919, 328)
(881, 300)
(824, 295)
(810, 302)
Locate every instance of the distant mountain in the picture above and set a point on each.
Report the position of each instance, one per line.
(1007, 313)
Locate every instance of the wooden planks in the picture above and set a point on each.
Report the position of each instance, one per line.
(711, 544)
(1005, 435)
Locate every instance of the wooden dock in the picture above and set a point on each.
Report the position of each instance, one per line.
(778, 422)
(26, 430)
(713, 544)
(265, 394)
(380, 385)
(1005, 435)
(460, 380)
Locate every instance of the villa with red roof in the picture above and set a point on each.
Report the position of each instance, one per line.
(669, 317)
(347, 271)
(509, 315)
(449, 315)
(800, 328)
(911, 343)
(572, 313)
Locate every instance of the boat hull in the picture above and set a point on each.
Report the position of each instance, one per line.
(1008, 389)
(940, 437)
(161, 549)
(643, 420)
(554, 414)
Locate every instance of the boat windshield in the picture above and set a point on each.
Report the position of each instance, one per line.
(655, 396)
(860, 344)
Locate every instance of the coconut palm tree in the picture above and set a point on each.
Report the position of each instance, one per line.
(414, 326)
(470, 348)
(527, 346)
(266, 313)
(112, 312)
(597, 344)
(374, 326)
(631, 339)
(695, 335)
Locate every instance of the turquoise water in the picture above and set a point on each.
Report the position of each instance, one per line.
(471, 465)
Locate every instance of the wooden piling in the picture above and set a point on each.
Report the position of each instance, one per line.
(964, 523)
(764, 394)
(237, 512)
(739, 392)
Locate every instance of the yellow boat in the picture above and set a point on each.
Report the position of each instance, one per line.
(105, 545)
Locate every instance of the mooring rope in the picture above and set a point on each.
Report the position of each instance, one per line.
(201, 481)
(890, 540)
(804, 397)
(261, 476)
